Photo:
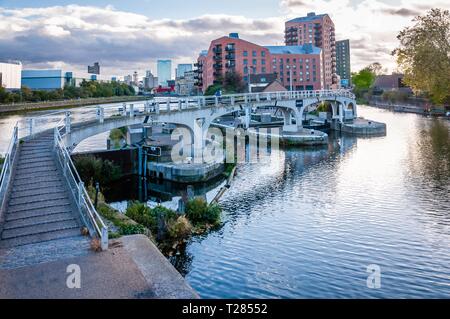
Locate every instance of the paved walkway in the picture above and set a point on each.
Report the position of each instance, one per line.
(133, 267)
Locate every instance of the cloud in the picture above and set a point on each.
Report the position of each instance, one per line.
(404, 12)
(120, 41)
(74, 36)
(371, 25)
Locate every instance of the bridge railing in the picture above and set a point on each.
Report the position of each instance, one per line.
(89, 215)
(7, 166)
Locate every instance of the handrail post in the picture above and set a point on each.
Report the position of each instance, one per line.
(157, 107)
(124, 106)
(104, 239)
(30, 125)
(80, 193)
(67, 122)
(131, 110)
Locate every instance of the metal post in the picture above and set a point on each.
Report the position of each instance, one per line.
(97, 189)
(102, 114)
(180, 103)
(67, 122)
(124, 109)
(232, 100)
(80, 193)
(216, 101)
(104, 239)
(131, 110)
(30, 125)
(55, 136)
(157, 108)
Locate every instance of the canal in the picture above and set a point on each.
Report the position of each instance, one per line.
(308, 223)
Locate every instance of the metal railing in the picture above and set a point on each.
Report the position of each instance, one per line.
(8, 161)
(88, 213)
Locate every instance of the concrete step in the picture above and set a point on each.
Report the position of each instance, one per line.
(37, 199)
(32, 173)
(37, 206)
(36, 158)
(42, 191)
(38, 220)
(38, 186)
(36, 147)
(30, 239)
(22, 181)
(33, 163)
(37, 167)
(46, 211)
(39, 229)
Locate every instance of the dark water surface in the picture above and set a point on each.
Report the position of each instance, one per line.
(309, 224)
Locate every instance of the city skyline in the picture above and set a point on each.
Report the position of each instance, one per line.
(125, 39)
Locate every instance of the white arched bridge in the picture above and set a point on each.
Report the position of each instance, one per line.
(42, 197)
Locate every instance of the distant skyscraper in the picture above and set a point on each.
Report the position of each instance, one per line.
(182, 68)
(128, 79)
(343, 62)
(150, 81)
(164, 69)
(94, 69)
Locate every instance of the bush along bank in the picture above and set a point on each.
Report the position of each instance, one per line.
(172, 229)
(168, 229)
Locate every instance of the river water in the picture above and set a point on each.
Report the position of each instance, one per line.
(309, 223)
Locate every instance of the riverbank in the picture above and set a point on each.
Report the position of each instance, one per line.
(49, 105)
(409, 108)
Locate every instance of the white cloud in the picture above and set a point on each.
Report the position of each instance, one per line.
(371, 25)
(123, 42)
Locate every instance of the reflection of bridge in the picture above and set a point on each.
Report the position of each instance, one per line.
(55, 203)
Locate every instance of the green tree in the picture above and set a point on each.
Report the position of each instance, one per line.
(424, 55)
(233, 83)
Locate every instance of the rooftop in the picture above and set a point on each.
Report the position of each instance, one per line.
(294, 49)
(310, 17)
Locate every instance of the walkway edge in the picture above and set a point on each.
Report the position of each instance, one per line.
(161, 276)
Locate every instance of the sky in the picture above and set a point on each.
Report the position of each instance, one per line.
(128, 36)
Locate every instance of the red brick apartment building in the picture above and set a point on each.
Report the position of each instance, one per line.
(319, 31)
(299, 66)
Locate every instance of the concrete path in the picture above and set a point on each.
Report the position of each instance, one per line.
(133, 267)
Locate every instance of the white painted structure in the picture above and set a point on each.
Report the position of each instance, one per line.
(10, 75)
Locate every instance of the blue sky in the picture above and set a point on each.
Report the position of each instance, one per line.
(128, 36)
(175, 9)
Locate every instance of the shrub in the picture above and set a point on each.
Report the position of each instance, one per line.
(179, 228)
(129, 229)
(199, 212)
(142, 214)
(92, 170)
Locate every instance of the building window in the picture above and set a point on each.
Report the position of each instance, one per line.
(245, 61)
(245, 70)
(245, 53)
(263, 62)
(254, 62)
(254, 53)
(245, 78)
(263, 69)
(263, 53)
